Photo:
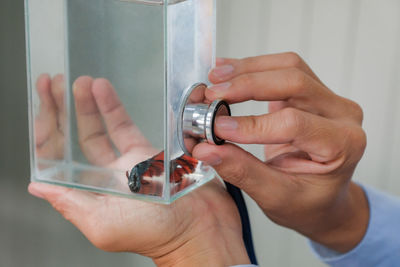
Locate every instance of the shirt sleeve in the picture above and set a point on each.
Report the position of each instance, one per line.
(381, 243)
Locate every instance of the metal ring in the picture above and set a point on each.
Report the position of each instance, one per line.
(210, 122)
(184, 102)
(196, 119)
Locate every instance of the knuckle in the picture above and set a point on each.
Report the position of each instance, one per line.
(356, 111)
(241, 64)
(253, 124)
(251, 62)
(331, 152)
(245, 81)
(297, 81)
(359, 139)
(356, 142)
(293, 118)
(256, 127)
(293, 59)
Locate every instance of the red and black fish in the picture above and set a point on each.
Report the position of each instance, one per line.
(155, 167)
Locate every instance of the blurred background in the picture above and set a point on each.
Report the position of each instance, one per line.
(353, 46)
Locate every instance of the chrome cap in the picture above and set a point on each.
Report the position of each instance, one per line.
(197, 119)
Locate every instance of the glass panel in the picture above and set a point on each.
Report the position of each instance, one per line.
(190, 54)
(46, 67)
(103, 100)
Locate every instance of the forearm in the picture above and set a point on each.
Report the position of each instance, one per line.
(215, 247)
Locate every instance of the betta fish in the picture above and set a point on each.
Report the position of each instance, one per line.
(154, 167)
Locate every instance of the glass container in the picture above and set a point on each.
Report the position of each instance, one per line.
(107, 79)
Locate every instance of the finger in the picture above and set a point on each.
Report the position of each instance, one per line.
(240, 168)
(58, 91)
(295, 87)
(82, 209)
(93, 137)
(46, 120)
(123, 132)
(43, 87)
(229, 68)
(325, 140)
(71, 203)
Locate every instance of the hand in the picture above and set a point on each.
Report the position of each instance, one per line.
(313, 141)
(200, 229)
(50, 122)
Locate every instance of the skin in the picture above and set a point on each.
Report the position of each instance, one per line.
(313, 141)
(203, 228)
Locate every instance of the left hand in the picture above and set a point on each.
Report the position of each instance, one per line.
(200, 229)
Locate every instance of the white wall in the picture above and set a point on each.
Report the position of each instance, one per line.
(353, 46)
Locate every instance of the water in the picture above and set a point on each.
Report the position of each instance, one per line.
(87, 132)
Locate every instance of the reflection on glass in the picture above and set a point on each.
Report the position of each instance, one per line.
(51, 119)
(107, 136)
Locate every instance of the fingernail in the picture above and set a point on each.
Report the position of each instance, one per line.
(221, 87)
(35, 192)
(212, 160)
(226, 123)
(222, 71)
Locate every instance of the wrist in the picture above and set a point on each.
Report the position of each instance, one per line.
(213, 247)
(346, 223)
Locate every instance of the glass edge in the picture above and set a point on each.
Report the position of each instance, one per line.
(214, 43)
(190, 189)
(167, 191)
(67, 84)
(29, 88)
(153, 199)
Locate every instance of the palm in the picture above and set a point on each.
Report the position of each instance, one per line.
(119, 224)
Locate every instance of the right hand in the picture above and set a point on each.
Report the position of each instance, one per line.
(313, 139)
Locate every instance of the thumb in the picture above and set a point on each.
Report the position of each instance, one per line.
(264, 184)
(71, 203)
